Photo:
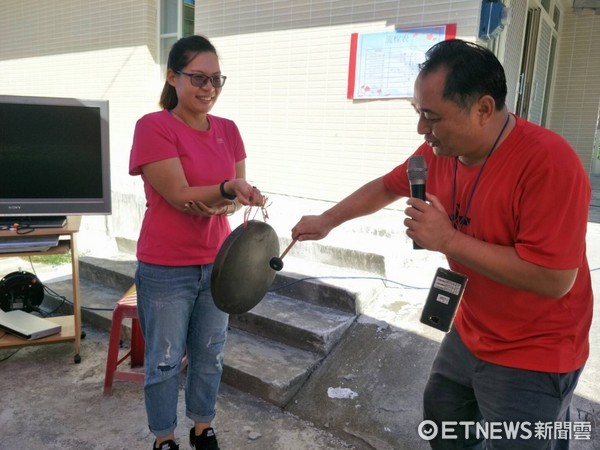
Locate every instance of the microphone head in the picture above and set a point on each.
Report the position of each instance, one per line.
(417, 169)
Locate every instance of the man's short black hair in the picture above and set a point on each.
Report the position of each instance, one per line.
(473, 71)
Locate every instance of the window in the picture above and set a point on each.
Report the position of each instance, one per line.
(538, 61)
(187, 17)
(556, 18)
(176, 20)
(546, 5)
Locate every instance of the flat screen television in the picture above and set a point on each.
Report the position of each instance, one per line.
(54, 157)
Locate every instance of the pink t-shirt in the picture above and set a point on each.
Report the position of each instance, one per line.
(169, 237)
(534, 195)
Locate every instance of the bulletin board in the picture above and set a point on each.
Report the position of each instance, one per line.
(386, 64)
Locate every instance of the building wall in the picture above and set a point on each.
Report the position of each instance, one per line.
(511, 51)
(287, 64)
(96, 50)
(100, 50)
(576, 97)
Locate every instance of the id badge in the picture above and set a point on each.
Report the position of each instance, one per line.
(443, 299)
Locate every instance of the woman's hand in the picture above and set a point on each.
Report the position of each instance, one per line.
(245, 193)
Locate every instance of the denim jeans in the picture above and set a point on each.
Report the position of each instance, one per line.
(177, 315)
(462, 387)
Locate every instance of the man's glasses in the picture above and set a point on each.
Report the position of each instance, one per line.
(198, 80)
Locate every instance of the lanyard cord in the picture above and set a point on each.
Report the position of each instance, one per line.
(456, 222)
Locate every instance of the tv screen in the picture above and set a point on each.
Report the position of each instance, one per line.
(54, 157)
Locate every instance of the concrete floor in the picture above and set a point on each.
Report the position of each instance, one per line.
(50, 402)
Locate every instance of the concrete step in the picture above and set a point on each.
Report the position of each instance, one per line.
(116, 272)
(119, 273)
(271, 350)
(310, 289)
(294, 322)
(97, 302)
(358, 259)
(265, 368)
(268, 369)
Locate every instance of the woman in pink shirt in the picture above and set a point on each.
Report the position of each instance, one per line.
(193, 168)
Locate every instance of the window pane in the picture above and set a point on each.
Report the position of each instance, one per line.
(556, 18)
(188, 19)
(168, 14)
(546, 5)
(165, 48)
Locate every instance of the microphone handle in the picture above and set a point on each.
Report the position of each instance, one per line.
(417, 191)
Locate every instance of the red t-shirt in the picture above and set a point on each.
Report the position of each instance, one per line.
(169, 237)
(534, 195)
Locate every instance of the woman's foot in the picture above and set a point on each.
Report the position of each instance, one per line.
(166, 445)
(206, 441)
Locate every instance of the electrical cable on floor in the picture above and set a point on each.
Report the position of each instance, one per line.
(63, 299)
(9, 356)
(385, 281)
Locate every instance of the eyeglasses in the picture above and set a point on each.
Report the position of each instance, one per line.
(198, 80)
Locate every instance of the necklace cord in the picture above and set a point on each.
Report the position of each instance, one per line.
(459, 222)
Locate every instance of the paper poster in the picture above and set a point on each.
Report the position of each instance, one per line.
(386, 64)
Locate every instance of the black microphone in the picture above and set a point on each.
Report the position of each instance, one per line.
(417, 173)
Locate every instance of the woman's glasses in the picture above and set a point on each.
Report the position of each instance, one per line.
(197, 80)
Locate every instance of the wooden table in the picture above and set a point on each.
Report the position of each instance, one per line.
(70, 324)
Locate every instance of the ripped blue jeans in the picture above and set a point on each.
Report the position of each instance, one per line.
(177, 314)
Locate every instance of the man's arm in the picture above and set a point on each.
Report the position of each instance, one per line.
(368, 199)
(429, 226)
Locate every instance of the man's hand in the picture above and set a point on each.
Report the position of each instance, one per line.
(311, 228)
(428, 224)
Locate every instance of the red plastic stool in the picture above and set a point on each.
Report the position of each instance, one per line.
(125, 308)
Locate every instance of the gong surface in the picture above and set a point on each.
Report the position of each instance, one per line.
(241, 274)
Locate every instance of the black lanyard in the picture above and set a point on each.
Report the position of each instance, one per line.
(456, 222)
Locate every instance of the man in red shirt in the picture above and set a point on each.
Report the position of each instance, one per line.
(507, 203)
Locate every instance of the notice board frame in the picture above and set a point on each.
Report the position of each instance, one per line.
(385, 64)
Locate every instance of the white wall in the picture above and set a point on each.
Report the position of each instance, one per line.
(95, 50)
(287, 64)
(574, 107)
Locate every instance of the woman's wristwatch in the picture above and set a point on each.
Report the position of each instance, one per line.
(225, 194)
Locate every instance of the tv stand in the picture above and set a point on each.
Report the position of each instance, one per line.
(8, 222)
(70, 324)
